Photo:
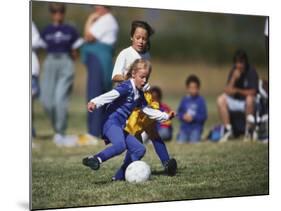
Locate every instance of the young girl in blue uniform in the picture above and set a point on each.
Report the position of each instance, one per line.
(120, 102)
(138, 122)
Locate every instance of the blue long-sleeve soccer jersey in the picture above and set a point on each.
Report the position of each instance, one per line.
(122, 107)
(196, 107)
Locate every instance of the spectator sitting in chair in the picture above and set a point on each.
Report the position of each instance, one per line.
(239, 95)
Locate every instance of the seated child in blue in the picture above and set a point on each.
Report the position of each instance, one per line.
(192, 112)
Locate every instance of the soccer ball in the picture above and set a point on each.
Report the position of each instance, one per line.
(137, 171)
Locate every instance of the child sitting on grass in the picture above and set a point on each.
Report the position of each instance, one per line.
(192, 112)
(121, 101)
(165, 129)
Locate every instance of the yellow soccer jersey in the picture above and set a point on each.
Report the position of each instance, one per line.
(138, 120)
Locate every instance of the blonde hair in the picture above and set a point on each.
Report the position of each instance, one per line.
(137, 65)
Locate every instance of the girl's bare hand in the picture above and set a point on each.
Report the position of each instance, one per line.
(91, 106)
(172, 114)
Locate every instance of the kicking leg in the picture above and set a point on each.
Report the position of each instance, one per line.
(135, 148)
(115, 135)
(170, 165)
(136, 151)
(158, 144)
(161, 150)
(120, 174)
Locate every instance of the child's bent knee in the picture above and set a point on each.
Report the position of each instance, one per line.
(120, 149)
(141, 152)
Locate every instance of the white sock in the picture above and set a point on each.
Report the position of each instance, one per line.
(144, 137)
(228, 127)
(99, 159)
(250, 118)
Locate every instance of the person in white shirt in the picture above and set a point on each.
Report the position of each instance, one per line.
(123, 61)
(139, 124)
(100, 35)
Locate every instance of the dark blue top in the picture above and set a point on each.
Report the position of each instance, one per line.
(120, 109)
(59, 38)
(196, 107)
(248, 80)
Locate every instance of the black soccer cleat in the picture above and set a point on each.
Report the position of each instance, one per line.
(91, 162)
(171, 167)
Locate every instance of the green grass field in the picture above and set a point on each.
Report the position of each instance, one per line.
(205, 170)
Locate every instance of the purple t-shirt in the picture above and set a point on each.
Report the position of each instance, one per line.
(59, 38)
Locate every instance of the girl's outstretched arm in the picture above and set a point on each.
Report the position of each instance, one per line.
(157, 114)
(105, 98)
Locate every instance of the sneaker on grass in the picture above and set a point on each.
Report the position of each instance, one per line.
(58, 139)
(227, 134)
(171, 167)
(92, 162)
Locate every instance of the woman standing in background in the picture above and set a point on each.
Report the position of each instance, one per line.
(100, 35)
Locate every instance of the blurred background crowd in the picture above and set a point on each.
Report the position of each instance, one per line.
(211, 68)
